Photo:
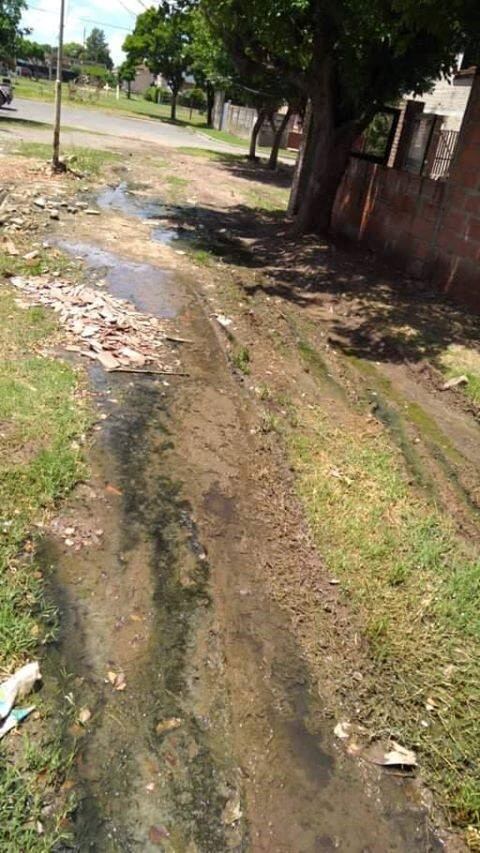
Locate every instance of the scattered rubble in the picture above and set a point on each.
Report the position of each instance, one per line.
(30, 211)
(109, 329)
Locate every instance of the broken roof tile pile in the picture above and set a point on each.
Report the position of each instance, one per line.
(110, 330)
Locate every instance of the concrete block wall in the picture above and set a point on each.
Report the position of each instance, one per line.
(430, 229)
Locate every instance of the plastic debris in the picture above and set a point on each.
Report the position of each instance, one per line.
(224, 321)
(18, 686)
(392, 755)
(343, 730)
(14, 718)
(452, 383)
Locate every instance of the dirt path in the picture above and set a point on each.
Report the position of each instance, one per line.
(206, 637)
(220, 738)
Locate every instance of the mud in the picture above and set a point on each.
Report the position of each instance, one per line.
(219, 739)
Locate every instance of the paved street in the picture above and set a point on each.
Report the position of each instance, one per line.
(117, 125)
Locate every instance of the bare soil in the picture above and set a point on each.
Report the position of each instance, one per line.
(205, 588)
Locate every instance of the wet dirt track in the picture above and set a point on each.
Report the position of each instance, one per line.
(217, 741)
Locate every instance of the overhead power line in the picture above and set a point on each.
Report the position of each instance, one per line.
(86, 20)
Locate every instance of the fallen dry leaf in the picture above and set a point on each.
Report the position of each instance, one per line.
(84, 716)
(170, 725)
(112, 490)
(157, 834)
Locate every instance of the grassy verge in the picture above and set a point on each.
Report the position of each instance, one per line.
(231, 139)
(460, 360)
(415, 586)
(135, 106)
(90, 161)
(42, 415)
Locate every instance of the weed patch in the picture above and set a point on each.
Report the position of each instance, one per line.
(241, 360)
(42, 416)
(459, 360)
(415, 587)
(91, 161)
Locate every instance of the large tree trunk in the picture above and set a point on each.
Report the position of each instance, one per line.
(277, 140)
(173, 106)
(210, 103)
(325, 157)
(252, 154)
(129, 89)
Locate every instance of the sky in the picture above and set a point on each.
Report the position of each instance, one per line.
(82, 15)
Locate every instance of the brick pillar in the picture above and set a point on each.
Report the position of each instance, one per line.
(465, 170)
(456, 254)
(404, 131)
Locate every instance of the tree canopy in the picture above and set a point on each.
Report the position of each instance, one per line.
(73, 50)
(349, 58)
(26, 49)
(10, 30)
(161, 39)
(96, 49)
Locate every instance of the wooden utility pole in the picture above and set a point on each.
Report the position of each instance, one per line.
(58, 92)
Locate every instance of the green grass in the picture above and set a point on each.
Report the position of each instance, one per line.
(241, 359)
(209, 154)
(267, 198)
(41, 418)
(415, 587)
(460, 360)
(90, 161)
(232, 139)
(136, 106)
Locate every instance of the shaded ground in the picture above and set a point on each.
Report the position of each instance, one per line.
(215, 591)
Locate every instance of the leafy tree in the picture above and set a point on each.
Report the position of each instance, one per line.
(210, 65)
(10, 31)
(74, 50)
(96, 49)
(26, 49)
(126, 74)
(349, 58)
(161, 40)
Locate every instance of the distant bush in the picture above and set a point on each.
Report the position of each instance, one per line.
(150, 94)
(194, 98)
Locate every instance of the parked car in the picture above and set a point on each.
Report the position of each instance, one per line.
(6, 91)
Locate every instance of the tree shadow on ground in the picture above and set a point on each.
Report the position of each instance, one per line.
(258, 171)
(377, 313)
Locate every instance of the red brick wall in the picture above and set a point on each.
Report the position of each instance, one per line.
(430, 229)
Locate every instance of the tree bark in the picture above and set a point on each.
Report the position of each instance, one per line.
(210, 103)
(277, 140)
(326, 157)
(129, 89)
(252, 154)
(173, 106)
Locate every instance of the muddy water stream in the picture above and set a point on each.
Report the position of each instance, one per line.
(211, 737)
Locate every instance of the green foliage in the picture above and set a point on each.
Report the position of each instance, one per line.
(10, 31)
(74, 50)
(151, 94)
(98, 74)
(96, 49)
(195, 98)
(160, 39)
(127, 71)
(25, 49)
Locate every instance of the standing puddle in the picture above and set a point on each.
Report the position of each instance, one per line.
(153, 763)
(147, 641)
(149, 288)
(122, 200)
